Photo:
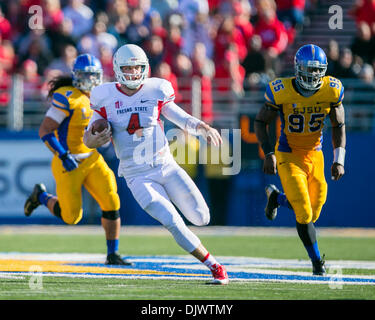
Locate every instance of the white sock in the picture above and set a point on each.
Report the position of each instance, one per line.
(209, 261)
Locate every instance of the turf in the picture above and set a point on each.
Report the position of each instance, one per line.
(283, 247)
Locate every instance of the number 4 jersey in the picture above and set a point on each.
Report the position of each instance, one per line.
(302, 118)
(137, 132)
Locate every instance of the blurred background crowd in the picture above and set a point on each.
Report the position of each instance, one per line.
(240, 40)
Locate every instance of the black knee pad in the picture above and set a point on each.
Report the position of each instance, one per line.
(57, 210)
(111, 215)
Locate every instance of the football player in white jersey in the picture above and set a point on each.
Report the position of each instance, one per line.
(132, 106)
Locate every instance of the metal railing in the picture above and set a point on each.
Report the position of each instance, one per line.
(24, 112)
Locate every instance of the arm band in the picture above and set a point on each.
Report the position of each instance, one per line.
(54, 144)
(181, 118)
(339, 155)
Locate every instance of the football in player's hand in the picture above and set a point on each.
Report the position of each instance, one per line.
(99, 125)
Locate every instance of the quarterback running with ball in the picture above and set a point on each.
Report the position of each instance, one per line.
(132, 106)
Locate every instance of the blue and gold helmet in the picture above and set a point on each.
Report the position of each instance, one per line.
(87, 72)
(310, 63)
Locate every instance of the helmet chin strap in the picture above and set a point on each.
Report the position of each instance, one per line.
(304, 92)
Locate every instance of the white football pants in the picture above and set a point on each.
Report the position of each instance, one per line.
(155, 191)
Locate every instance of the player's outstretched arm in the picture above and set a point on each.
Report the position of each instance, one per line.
(337, 117)
(264, 117)
(191, 124)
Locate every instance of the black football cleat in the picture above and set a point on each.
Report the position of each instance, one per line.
(271, 208)
(32, 201)
(318, 267)
(115, 259)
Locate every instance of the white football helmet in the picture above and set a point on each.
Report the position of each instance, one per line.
(130, 55)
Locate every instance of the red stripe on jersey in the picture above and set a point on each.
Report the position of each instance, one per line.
(102, 112)
(160, 106)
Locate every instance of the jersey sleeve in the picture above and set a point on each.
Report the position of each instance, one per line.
(270, 97)
(61, 102)
(338, 93)
(96, 102)
(167, 92)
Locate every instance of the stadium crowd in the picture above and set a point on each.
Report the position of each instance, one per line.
(239, 40)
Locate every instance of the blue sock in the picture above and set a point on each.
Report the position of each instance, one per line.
(282, 200)
(44, 197)
(112, 246)
(313, 251)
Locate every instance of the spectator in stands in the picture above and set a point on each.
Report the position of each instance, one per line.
(191, 8)
(345, 66)
(229, 73)
(242, 16)
(52, 15)
(333, 56)
(255, 64)
(204, 68)
(197, 31)
(7, 55)
(118, 30)
(229, 36)
(164, 7)
(173, 44)
(367, 75)
(272, 31)
(137, 32)
(65, 62)
(32, 81)
(363, 44)
(38, 53)
(91, 43)
(156, 26)
(116, 9)
(364, 11)
(61, 37)
(155, 52)
(16, 17)
(106, 58)
(81, 16)
(5, 81)
(291, 12)
(5, 27)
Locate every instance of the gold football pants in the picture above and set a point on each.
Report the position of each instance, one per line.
(94, 174)
(302, 177)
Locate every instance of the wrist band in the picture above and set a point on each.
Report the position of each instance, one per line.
(51, 141)
(339, 155)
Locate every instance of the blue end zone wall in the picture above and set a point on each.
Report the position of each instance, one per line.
(349, 202)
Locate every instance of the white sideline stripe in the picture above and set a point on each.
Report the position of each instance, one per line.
(248, 261)
(8, 276)
(135, 277)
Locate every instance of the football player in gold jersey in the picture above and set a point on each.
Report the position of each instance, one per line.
(74, 165)
(303, 102)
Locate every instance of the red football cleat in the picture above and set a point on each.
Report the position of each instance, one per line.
(220, 274)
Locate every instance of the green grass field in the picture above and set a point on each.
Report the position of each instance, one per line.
(277, 246)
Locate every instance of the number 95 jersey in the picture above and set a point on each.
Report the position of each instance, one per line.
(302, 118)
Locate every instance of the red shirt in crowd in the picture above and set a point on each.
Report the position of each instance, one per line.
(290, 4)
(273, 34)
(365, 12)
